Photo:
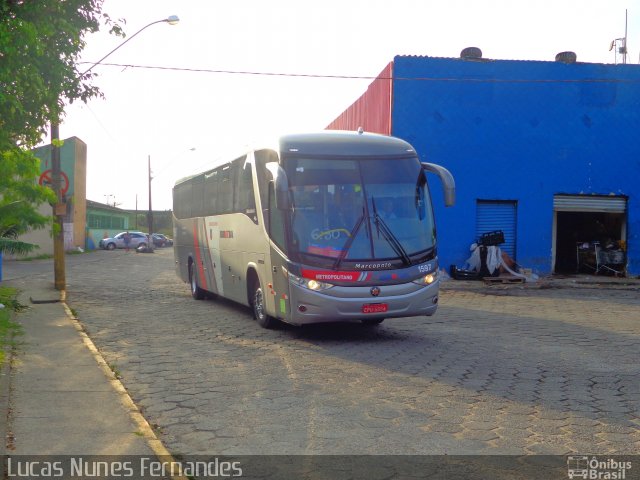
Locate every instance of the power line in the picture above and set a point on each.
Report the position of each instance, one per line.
(236, 72)
(364, 77)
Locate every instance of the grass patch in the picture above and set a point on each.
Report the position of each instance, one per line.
(42, 256)
(8, 328)
(49, 256)
(114, 368)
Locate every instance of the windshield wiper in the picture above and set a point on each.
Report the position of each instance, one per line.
(388, 235)
(347, 245)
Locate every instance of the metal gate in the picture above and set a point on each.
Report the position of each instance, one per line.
(498, 215)
(590, 203)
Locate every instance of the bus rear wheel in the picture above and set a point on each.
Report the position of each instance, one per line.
(260, 309)
(196, 292)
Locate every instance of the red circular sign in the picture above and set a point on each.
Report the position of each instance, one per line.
(46, 180)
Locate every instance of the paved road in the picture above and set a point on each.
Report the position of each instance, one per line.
(23, 269)
(500, 371)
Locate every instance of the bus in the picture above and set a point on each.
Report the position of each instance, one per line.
(320, 227)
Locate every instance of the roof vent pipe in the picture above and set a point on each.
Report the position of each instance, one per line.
(566, 57)
(471, 53)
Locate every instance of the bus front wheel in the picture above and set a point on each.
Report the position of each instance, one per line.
(196, 292)
(260, 310)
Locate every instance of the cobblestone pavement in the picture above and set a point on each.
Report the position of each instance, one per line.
(495, 371)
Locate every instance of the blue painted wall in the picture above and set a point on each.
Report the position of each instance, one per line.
(523, 131)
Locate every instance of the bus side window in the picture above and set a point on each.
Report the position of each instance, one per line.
(182, 200)
(197, 197)
(275, 224)
(244, 198)
(210, 192)
(225, 190)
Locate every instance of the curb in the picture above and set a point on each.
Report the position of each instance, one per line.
(125, 399)
(5, 392)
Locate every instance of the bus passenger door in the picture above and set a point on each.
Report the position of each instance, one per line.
(278, 272)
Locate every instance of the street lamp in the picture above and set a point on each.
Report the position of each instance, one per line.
(171, 20)
(59, 209)
(150, 219)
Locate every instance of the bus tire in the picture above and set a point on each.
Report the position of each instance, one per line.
(259, 308)
(196, 292)
(372, 322)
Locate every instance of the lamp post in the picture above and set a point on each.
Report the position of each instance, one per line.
(150, 219)
(60, 209)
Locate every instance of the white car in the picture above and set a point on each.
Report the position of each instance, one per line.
(137, 239)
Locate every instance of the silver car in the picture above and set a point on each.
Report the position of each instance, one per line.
(137, 239)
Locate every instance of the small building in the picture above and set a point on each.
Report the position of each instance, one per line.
(73, 166)
(545, 151)
(104, 221)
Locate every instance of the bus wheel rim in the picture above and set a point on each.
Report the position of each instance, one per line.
(259, 304)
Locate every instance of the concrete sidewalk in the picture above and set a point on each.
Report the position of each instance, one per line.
(577, 281)
(62, 398)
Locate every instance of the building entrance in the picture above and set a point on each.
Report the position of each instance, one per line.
(589, 234)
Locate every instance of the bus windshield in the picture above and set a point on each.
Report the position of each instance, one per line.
(354, 210)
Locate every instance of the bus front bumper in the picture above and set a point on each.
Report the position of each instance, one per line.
(343, 304)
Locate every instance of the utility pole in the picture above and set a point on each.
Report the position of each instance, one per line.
(59, 210)
(624, 57)
(150, 219)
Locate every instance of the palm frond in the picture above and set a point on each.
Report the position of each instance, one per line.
(15, 247)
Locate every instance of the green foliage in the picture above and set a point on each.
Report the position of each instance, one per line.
(8, 328)
(40, 44)
(19, 199)
(41, 41)
(8, 299)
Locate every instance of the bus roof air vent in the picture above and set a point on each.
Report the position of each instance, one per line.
(360, 130)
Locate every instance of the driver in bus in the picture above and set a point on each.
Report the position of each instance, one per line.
(387, 211)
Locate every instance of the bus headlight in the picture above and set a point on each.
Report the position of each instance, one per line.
(428, 279)
(309, 284)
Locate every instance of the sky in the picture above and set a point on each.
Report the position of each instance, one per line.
(185, 120)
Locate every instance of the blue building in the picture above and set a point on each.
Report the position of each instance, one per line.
(544, 151)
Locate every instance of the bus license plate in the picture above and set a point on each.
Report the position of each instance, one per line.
(374, 307)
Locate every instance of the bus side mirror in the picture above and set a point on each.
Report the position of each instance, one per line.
(281, 183)
(448, 183)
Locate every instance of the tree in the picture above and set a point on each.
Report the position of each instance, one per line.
(20, 196)
(40, 44)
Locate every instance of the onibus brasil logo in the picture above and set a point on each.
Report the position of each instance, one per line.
(593, 468)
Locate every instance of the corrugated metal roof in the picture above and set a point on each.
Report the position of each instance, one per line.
(103, 206)
(372, 111)
(518, 60)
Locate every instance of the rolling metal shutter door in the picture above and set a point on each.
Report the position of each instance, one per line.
(589, 203)
(494, 215)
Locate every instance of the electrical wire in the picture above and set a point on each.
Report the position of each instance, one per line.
(364, 77)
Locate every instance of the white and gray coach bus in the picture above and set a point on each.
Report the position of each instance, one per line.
(330, 226)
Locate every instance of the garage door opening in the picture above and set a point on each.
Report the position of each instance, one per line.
(584, 224)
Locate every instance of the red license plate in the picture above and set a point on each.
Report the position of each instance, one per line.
(374, 307)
